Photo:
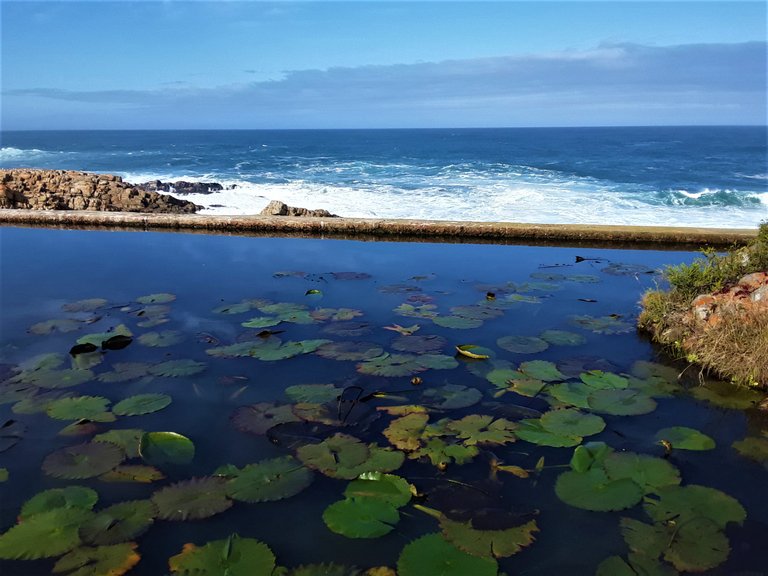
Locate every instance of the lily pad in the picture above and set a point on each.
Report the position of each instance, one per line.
(483, 429)
(386, 487)
(442, 453)
(239, 307)
(697, 545)
(522, 344)
(113, 560)
(83, 460)
(621, 402)
(162, 448)
(562, 338)
(68, 497)
(354, 351)
(532, 430)
(599, 380)
(133, 473)
(432, 555)
(391, 365)
(54, 379)
(541, 370)
(125, 371)
(589, 455)
(261, 322)
(44, 535)
(648, 472)
(571, 393)
(233, 556)
(593, 490)
(161, 339)
(128, 439)
(603, 324)
(141, 404)
(99, 337)
(118, 523)
(57, 325)
(420, 344)
(683, 438)
(318, 393)
(405, 432)
(571, 422)
(159, 298)
(685, 503)
(335, 314)
(177, 368)
(266, 481)
(727, 395)
(753, 447)
(457, 322)
(418, 311)
(344, 456)
(361, 517)
(192, 499)
(258, 418)
(87, 305)
(452, 396)
(77, 407)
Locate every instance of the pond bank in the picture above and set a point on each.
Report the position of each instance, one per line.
(382, 229)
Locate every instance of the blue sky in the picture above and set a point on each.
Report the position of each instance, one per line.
(228, 64)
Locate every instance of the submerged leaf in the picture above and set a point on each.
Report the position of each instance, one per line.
(161, 339)
(727, 395)
(562, 338)
(128, 439)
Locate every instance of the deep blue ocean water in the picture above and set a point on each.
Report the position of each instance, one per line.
(689, 176)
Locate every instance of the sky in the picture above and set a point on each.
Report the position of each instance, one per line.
(250, 64)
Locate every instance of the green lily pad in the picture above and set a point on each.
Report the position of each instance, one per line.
(317, 393)
(646, 539)
(451, 396)
(391, 365)
(57, 325)
(320, 413)
(457, 322)
(603, 324)
(386, 487)
(266, 481)
(436, 361)
(128, 439)
(621, 402)
(599, 380)
(261, 322)
(344, 456)
(541, 370)
(239, 307)
(683, 438)
(522, 344)
(442, 453)
(648, 472)
(83, 460)
(562, 338)
(405, 432)
(37, 403)
(532, 430)
(54, 379)
(258, 418)
(589, 455)
(118, 523)
(192, 499)
(354, 351)
(432, 555)
(571, 393)
(125, 371)
(335, 314)
(68, 497)
(483, 429)
(97, 338)
(419, 311)
(162, 448)
(753, 447)
(77, 407)
(177, 368)
(44, 535)
(4, 475)
(685, 503)
(727, 395)
(138, 473)
(697, 545)
(113, 560)
(87, 305)
(233, 556)
(420, 344)
(275, 350)
(522, 298)
(141, 404)
(361, 517)
(571, 422)
(159, 298)
(161, 339)
(593, 490)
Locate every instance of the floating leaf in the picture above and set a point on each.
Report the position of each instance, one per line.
(442, 453)
(159, 298)
(317, 393)
(54, 379)
(683, 438)
(261, 322)
(420, 311)
(562, 338)
(192, 499)
(118, 523)
(108, 560)
(603, 324)
(124, 371)
(3, 474)
(361, 517)
(752, 447)
(405, 432)
(161, 448)
(589, 455)
(621, 402)
(355, 351)
(57, 325)
(541, 370)
(78, 497)
(593, 490)
(391, 365)
(258, 418)
(532, 430)
(418, 344)
(43, 535)
(386, 487)
(451, 396)
(177, 368)
(88, 305)
(600, 380)
(522, 344)
(344, 456)
(128, 439)
(685, 503)
(351, 275)
(78, 407)
(572, 393)
(141, 404)
(335, 314)
(522, 298)
(266, 481)
(457, 322)
(98, 338)
(431, 554)
(727, 395)
(233, 556)
(83, 460)
(133, 473)
(161, 339)
(648, 472)
(482, 429)
(240, 307)
(472, 351)
(571, 422)
(697, 545)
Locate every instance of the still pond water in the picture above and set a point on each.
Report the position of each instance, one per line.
(308, 396)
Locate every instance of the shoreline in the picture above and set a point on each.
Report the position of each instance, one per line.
(639, 237)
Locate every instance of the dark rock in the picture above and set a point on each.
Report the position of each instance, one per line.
(277, 208)
(181, 187)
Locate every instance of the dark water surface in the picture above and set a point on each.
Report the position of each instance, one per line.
(536, 289)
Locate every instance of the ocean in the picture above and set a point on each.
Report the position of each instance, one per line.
(674, 176)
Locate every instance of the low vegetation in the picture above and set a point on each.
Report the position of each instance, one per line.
(731, 345)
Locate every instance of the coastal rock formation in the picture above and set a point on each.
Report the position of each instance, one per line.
(749, 296)
(277, 208)
(181, 187)
(72, 190)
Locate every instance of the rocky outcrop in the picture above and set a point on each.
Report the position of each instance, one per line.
(277, 208)
(747, 297)
(181, 187)
(72, 190)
